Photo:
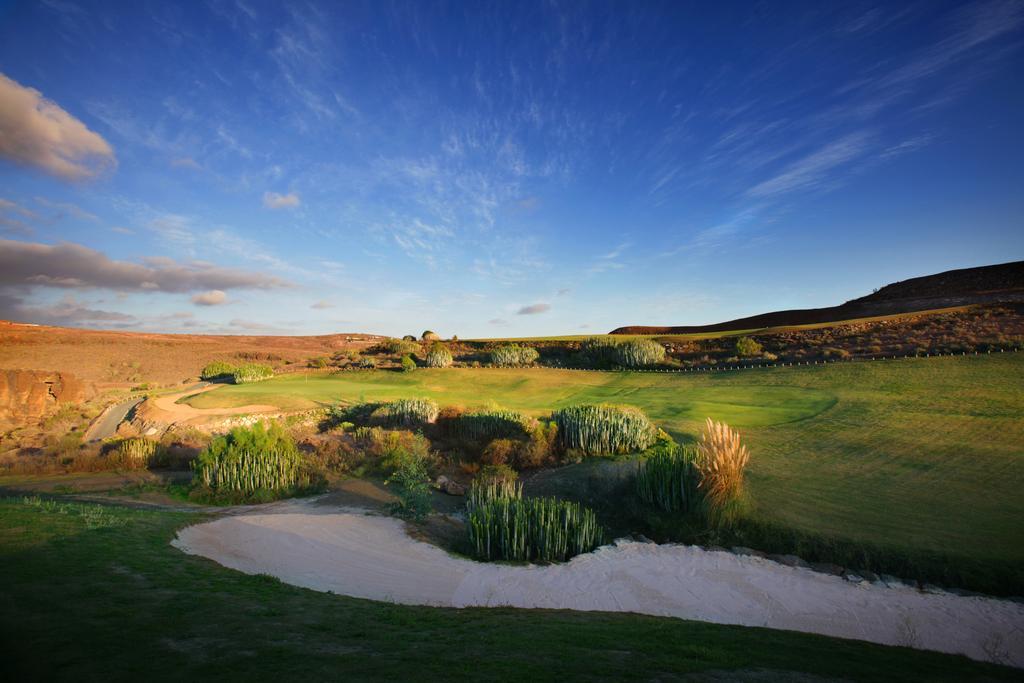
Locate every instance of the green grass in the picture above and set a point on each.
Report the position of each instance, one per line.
(923, 454)
(113, 601)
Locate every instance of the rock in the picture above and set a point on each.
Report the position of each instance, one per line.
(449, 486)
(640, 538)
(869, 576)
(27, 395)
(853, 578)
(740, 550)
(788, 560)
(892, 581)
(827, 568)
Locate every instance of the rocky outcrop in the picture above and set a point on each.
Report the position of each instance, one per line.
(27, 395)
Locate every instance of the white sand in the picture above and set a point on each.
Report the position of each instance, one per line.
(366, 556)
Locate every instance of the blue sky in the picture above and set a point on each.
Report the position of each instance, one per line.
(496, 169)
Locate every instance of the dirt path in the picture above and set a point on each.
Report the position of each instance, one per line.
(350, 552)
(165, 409)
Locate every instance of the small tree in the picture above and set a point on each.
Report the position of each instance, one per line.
(430, 335)
(408, 364)
(747, 347)
(439, 356)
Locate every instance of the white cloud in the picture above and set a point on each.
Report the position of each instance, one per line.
(322, 305)
(35, 131)
(273, 200)
(214, 297)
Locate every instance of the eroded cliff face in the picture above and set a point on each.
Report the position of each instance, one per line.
(27, 395)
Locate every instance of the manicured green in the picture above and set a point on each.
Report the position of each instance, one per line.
(97, 593)
(918, 453)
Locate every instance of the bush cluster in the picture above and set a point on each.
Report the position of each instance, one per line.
(513, 355)
(607, 352)
(604, 429)
(251, 372)
(254, 463)
(218, 369)
(438, 356)
(502, 525)
(406, 412)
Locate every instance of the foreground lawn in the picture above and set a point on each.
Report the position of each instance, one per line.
(91, 593)
(924, 454)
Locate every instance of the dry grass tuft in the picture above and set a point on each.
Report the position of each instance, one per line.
(721, 460)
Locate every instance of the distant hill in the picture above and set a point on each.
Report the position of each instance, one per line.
(986, 284)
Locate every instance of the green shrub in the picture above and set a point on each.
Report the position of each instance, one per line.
(639, 353)
(397, 347)
(668, 479)
(367, 363)
(598, 352)
(412, 489)
(409, 338)
(319, 362)
(513, 355)
(604, 429)
(438, 357)
(430, 335)
(747, 347)
(251, 372)
(251, 460)
(408, 364)
(388, 449)
(407, 412)
(485, 425)
(531, 530)
(218, 369)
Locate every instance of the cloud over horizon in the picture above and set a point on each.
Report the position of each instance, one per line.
(35, 131)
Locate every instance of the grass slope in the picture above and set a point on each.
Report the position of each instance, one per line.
(90, 593)
(923, 454)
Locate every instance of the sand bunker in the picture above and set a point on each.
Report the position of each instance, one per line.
(353, 553)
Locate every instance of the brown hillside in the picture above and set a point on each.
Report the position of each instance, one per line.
(987, 284)
(113, 357)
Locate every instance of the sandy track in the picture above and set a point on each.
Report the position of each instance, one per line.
(164, 408)
(352, 553)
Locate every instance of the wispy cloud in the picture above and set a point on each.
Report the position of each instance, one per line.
(814, 170)
(273, 200)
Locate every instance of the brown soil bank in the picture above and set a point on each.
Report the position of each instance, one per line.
(31, 394)
(987, 284)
